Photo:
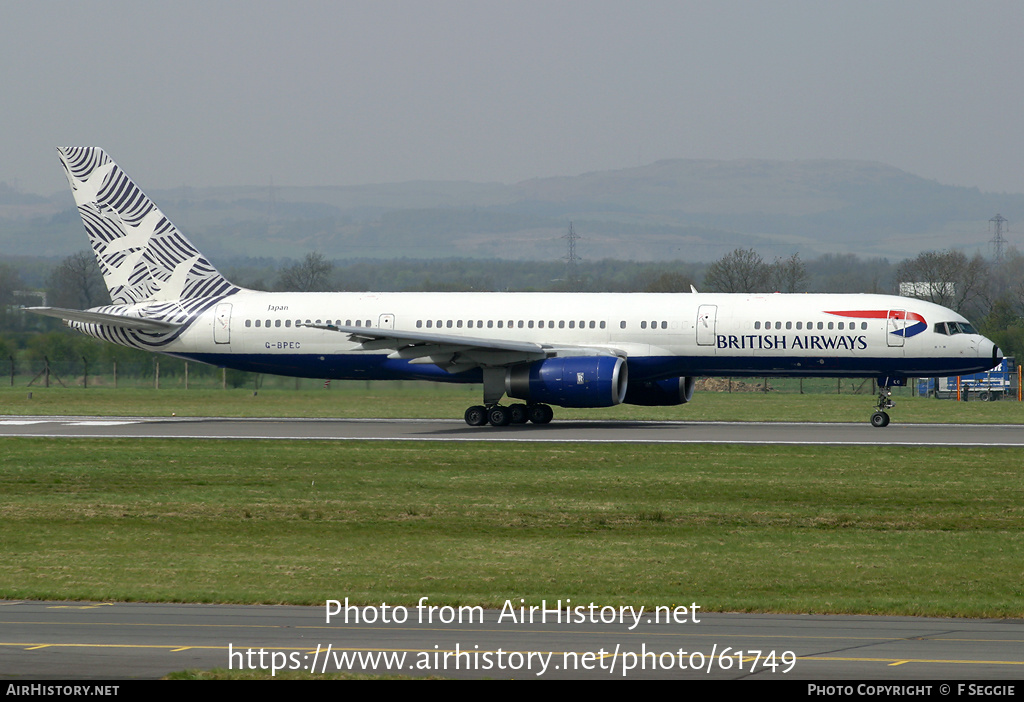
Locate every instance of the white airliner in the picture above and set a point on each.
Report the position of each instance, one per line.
(565, 349)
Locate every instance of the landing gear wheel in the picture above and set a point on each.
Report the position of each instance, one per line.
(517, 413)
(881, 418)
(499, 416)
(540, 414)
(476, 416)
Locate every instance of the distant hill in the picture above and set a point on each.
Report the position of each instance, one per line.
(675, 209)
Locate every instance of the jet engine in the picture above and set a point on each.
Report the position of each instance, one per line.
(575, 381)
(671, 391)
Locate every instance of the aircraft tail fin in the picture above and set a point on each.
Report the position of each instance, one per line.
(142, 255)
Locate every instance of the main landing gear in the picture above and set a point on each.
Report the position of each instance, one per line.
(490, 412)
(499, 416)
(881, 418)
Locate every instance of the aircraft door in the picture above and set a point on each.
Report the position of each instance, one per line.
(386, 321)
(222, 324)
(706, 319)
(896, 328)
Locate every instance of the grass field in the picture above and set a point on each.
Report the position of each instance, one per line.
(732, 528)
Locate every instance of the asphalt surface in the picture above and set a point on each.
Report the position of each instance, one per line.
(457, 430)
(82, 641)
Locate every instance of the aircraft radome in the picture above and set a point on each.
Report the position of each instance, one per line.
(565, 349)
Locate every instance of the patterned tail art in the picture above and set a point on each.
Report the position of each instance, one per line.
(144, 259)
(142, 255)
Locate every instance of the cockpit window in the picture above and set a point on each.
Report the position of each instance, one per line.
(951, 328)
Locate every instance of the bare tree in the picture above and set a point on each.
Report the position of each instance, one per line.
(788, 275)
(947, 278)
(743, 270)
(77, 283)
(311, 274)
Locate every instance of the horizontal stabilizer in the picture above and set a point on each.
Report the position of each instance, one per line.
(122, 321)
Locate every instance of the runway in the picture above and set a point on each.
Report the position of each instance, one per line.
(82, 641)
(862, 434)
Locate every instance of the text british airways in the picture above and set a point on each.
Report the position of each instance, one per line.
(817, 342)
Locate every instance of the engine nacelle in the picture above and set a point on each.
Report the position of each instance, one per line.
(671, 391)
(574, 381)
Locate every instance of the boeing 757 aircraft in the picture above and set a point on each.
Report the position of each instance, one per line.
(564, 349)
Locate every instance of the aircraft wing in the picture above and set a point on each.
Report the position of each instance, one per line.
(455, 353)
(122, 321)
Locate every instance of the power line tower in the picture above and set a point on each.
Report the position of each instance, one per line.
(998, 240)
(571, 260)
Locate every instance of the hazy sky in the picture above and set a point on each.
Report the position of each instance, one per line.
(231, 92)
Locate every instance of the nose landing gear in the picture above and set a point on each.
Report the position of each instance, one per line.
(881, 418)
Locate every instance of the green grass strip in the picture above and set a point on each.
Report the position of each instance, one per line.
(733, 528)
